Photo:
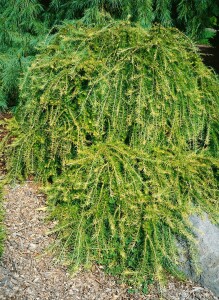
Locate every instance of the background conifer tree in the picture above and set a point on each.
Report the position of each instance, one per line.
(21, 28)
(191, 16)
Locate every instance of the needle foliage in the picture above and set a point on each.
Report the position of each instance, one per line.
(125, 208)
(144, 87)
(25, 23)
(190, 16)
(21, 28)
(123, 123)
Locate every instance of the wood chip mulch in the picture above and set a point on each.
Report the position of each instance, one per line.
(28, 271)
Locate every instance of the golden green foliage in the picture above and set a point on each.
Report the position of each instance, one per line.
(123, 122)
(125, 208)
(115, 83)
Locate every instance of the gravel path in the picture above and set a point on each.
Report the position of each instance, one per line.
(28, 271)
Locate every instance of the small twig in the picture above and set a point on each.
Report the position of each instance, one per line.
(98, 282)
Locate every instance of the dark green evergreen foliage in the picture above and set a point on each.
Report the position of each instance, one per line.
(195, 16)
(191, 16)
(21, 28)
(123, 122)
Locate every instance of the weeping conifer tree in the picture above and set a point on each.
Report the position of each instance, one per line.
(123, 123)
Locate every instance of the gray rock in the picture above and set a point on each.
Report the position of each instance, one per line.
(207, 235)
(32, 247)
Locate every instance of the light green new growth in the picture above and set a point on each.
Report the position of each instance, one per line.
(124, 122)
(143, 88)
(125, 208)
